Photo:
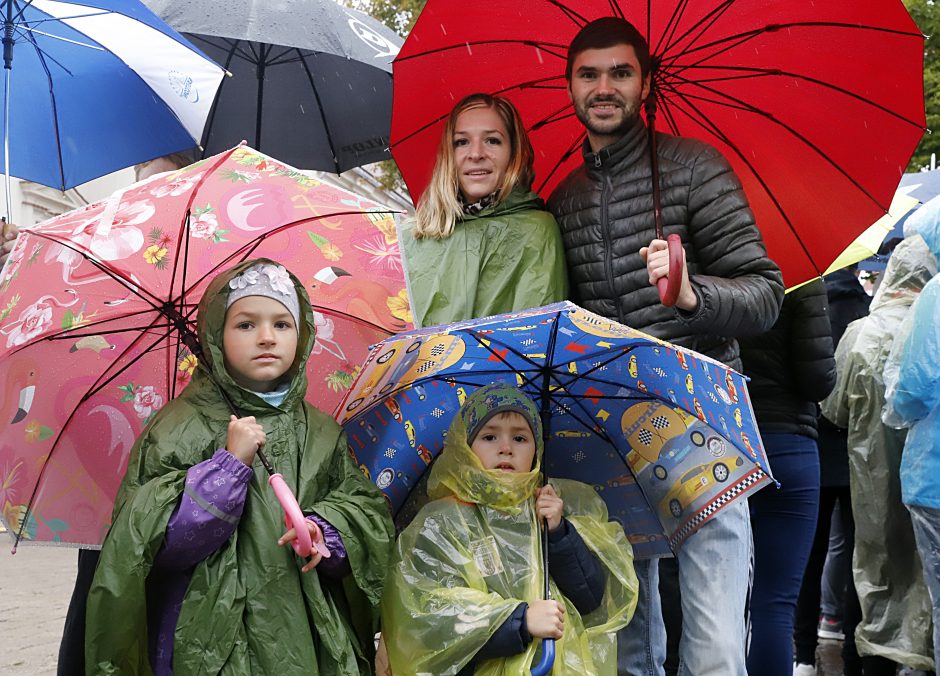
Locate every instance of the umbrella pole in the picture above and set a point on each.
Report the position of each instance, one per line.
(7, 74)
(668, 286)
(548, 644)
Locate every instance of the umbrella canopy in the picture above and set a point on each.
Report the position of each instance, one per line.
(96, 86)
(97, 318)
(665, 435)
(817, 105)
(311, 81)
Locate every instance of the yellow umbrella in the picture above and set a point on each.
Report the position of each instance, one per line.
(868, 243)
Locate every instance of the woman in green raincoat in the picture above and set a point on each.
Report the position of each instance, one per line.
(195, 575)
(465, 593)
(482, 242)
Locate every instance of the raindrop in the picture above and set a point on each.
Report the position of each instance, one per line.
(443, 30)
(469, 51)
(302, 111)
(538, 53)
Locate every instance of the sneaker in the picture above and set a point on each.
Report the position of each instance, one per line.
(830, 628)
(804, 670)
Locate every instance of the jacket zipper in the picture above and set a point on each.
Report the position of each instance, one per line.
(605, 231)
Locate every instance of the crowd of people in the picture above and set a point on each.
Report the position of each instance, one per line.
(189, 579)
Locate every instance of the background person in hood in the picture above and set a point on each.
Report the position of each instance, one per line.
(465, 593)
(482, 242)
(197, 565)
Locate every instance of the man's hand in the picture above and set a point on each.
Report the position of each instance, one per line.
(656, 256)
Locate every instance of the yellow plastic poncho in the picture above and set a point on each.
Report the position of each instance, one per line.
(474, 553)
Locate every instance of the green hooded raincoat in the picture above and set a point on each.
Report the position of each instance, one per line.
(508, 257)
(474, 554)
(248, 608)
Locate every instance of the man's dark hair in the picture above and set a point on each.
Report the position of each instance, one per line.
(609, 31)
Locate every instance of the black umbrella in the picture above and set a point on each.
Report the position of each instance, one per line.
(311, 80)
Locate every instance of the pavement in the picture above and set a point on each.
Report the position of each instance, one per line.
(35, 587)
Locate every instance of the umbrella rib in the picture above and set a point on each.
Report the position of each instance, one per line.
(52, 104)
(752, 73)
(229, 55)
(595, 429)
(487, 341)
(326, 128)
(246, 249)
(555, 49)
(700, 28)
(53, 448)
(117, 275)
(742, 105)
(577, 19)
(572, 149)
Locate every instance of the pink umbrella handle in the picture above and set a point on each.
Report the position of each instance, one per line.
(669, 286)
(303, 544)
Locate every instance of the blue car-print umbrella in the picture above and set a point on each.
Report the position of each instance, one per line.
(665, 435)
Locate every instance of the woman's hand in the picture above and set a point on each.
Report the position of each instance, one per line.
(545, 618)
(315, 556)
(549, 506)
(245, 437)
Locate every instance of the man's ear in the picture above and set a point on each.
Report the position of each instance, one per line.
(646, 87)
(568, 89)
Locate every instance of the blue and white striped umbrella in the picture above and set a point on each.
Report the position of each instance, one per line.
(95, 86)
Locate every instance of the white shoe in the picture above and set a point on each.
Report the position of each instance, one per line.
(803, 670)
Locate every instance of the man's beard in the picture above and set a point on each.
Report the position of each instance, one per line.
(631, 112)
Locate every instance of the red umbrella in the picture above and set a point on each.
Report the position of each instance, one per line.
(817, 105)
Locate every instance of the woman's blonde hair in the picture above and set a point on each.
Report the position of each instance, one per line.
(439, 208)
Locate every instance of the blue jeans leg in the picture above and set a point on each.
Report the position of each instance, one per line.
(714, 567)
(641, 645)
(926, 522)
(784, 525)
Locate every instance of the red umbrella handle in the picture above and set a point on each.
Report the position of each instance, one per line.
(669, 285)
(303, 544)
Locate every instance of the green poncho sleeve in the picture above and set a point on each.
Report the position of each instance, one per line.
(509, 257)
(461, 569)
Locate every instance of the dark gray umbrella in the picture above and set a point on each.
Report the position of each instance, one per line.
(311, 81)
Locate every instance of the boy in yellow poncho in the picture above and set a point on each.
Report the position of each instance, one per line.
(465, 593)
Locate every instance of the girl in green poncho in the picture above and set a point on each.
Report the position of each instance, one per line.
(464, 595)
(482, 242)
(196, 575)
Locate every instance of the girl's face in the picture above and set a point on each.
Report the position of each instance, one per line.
(505, 443)
(259, 341)
(481, 152)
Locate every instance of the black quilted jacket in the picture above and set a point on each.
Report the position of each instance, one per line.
(792, 366)
(605, 211)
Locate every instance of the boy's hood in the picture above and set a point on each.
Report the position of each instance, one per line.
(211, 321)
(459, 472)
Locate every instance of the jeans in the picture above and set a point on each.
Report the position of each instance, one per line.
(926, 522)
(808, 605)
(784, 523)
(838, 566)
(713, 578)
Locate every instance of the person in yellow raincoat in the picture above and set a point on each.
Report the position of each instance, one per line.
(464, 595)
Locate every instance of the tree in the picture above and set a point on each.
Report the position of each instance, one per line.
(926, 15)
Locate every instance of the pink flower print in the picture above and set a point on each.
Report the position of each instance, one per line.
(33, 320)
(146, 401)
(122, 239)
(13, 263)
(204, 225)
(180, 185)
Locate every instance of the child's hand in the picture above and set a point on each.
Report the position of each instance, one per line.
(549, 506)
(245, 437)
(315, 556)
(545, 618)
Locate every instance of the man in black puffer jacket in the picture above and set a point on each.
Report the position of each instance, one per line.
(729, 289)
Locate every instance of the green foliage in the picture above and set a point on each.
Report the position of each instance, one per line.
(399, 15)
(926, 15)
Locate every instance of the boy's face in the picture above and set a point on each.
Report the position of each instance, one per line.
(259, 341)
(505, 443)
